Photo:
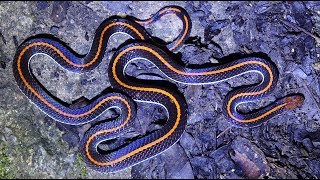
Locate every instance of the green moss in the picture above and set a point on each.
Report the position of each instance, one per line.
(80, 165)
(6, 171)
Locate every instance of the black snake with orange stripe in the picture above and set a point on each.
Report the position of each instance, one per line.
(159, 140)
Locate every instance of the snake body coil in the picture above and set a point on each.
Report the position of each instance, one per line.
(159, 140)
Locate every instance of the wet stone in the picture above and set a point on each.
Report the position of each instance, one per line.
(249, 158)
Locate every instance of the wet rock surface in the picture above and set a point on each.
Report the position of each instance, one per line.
(287, 146)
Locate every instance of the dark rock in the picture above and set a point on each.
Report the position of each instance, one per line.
(48, 120)
(214, 28)
(233, 8)
(15, 41)
(86, 36)
(224, 165)
(177, 169)
(249, 158)
(261, 24)
(149, 117)
(299, 134)
(55, 74)
(313, 5)
(202, 11)
(238, 21)
(208, 140)
(216, 50)
(3, 65)
(59, 11)
(203, 167)
(54, 30)
(70, 134)
(72, 139)
(86, 81)
(297, 162)
(299, 12)
(42, 5)
(2, 38)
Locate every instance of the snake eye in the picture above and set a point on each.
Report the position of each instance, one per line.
(294, 101)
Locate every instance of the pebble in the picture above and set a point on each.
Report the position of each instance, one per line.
(54, 30)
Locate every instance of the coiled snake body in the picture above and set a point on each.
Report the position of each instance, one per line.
(159, 140)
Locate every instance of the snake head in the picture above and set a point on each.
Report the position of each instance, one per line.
(294, 101)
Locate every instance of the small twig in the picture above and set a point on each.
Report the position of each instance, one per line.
(294, 26)
(223, 132)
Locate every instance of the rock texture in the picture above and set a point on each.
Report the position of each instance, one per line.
(287, 146)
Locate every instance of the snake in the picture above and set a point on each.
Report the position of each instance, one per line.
(128, 92)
